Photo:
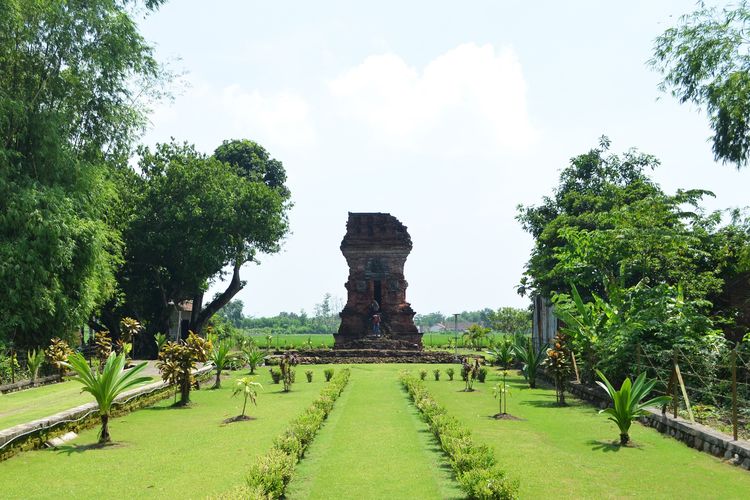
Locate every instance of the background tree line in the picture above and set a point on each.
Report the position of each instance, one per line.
(326, 319)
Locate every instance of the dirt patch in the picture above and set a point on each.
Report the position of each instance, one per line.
(504, 416)
(238, 418)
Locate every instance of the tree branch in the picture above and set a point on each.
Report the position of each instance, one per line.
(200, 316)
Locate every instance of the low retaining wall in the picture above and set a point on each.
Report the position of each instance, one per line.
(27, 384)
(701, 437)
(34, 434)
(356, 356)
(695, 435)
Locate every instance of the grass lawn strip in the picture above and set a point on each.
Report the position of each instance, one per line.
(31, 404)
(165, 452)
(475, 466)
(373, 446)
(570, 452)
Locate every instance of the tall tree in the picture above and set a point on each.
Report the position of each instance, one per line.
(608, 222)
(191, 217)
(68, 115)
(705, 60)
(510, 320)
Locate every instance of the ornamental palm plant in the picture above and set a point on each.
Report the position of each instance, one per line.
(532, 358)
(627, 402)
(249, 389)
(253, 356)
(107, 385)
(220, 356)
(34, 360)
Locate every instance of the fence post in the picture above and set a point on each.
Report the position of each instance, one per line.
(674, 386)
(734, 392)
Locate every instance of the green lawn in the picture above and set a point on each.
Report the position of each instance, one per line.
(569, 452)
(164, 452)
(373, 445)
(31, 404)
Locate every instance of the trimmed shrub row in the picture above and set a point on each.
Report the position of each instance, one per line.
(475, 467)
(271, 473)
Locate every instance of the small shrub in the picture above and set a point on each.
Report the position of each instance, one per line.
(436, 373)
(471, 457)
(309, 375)
(450, 372)
(275, 375)
(271, 472)
(328, 372)
(488, 483)
(470, 372)
(482, 374)
(422, 374)
(289, 444)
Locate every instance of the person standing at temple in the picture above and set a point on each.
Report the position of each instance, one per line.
(376, 324)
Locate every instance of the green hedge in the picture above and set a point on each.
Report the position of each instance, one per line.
(475, 466)
(271, 473)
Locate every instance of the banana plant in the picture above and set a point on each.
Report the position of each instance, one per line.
(627, 402)
(107, 385)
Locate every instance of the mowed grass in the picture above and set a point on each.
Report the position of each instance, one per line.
(569, 452)
(373, 445)
(165, 452)
(31, 404)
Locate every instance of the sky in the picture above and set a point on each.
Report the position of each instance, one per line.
(445, 114)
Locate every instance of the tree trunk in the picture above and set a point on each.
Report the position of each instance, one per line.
(217, 384)
(624, 439)
(104, 434)
(185, 391)
(200, 316)
(244, 405)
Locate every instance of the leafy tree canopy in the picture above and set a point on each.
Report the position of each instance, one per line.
(608, 222)
(705, 60)
(68, 114)
(191, 217)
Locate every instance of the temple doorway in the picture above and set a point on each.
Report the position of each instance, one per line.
(378, 292)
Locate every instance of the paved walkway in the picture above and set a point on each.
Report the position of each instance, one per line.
(373, 445)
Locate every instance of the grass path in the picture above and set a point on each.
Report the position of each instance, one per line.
(31, 404)
(373, 445)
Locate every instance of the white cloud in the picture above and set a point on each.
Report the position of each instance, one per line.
(470, 97)
(283, 116)
(207, 114)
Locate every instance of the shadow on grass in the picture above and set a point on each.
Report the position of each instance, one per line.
(608, 446)
(434, 447)
(69, 449)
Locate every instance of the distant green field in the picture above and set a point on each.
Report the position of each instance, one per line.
(280, 341)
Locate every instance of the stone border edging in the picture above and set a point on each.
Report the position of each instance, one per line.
(695, 435)
(34, 434)
(24, 384)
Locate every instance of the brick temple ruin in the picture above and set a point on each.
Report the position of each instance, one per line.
(376, 246)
